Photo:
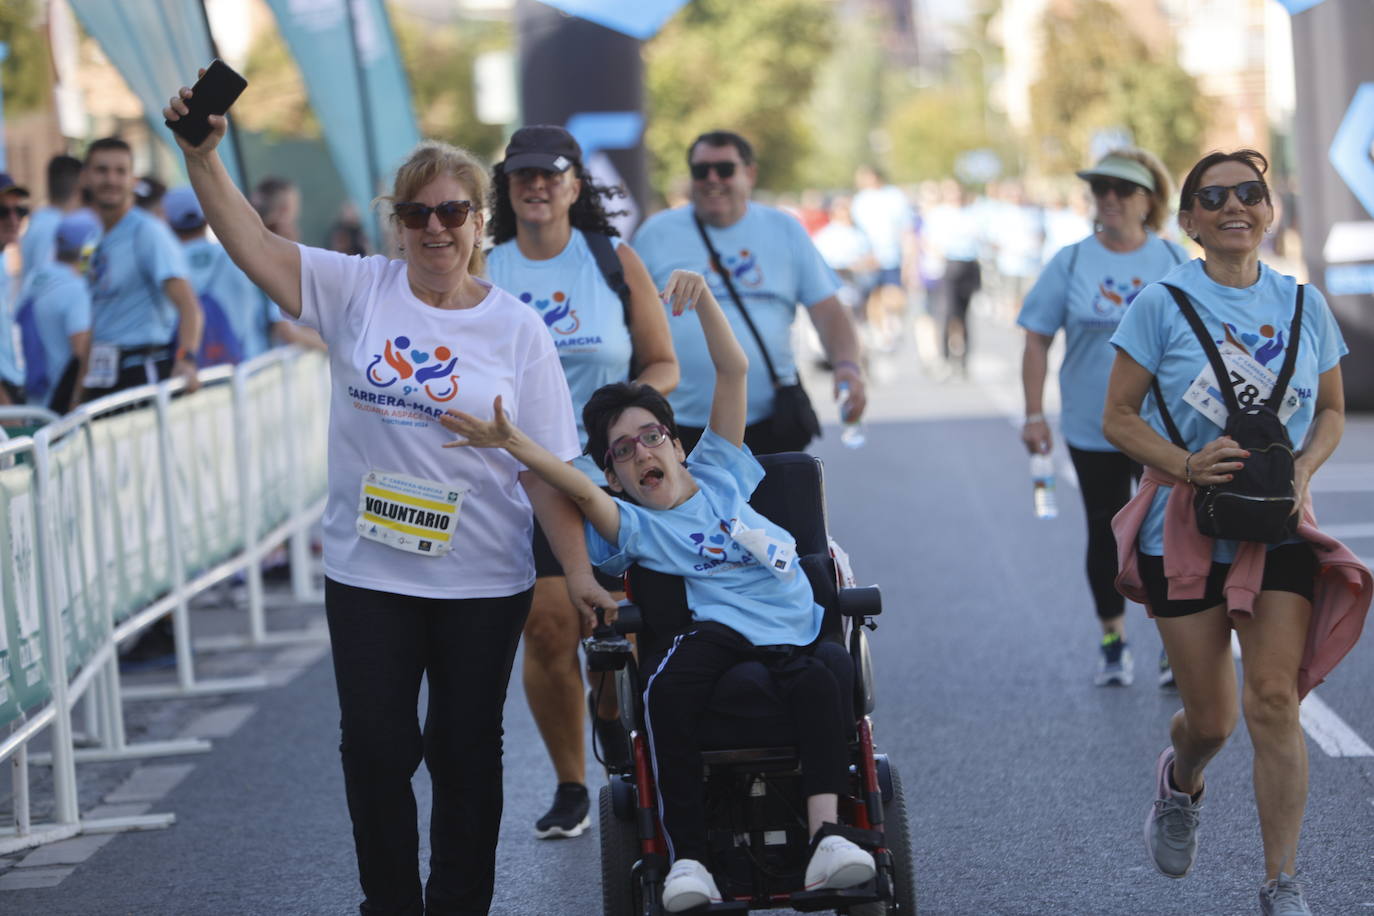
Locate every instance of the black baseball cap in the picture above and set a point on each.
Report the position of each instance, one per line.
(541, 146)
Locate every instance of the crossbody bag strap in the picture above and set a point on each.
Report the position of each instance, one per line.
(719, 268)
(613, 272)
(1228, 393)
(1174, 435)
(1290, 357)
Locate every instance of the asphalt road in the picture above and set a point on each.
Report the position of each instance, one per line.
(1028, 786)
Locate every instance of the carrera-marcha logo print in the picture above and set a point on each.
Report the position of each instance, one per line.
(407, 369)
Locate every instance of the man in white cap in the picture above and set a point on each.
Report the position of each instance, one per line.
(55, 316)
(14, 207)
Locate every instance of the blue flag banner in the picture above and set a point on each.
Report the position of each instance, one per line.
(641, 19)
(156, 45)
(358, 88)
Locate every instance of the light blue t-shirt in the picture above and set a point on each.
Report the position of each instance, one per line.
(134, 258)
(1156, 335)
(55, 303)
(773, 265)
(218, 280)
(11, 368)
(37, 246)
(583, 314)
(725, 582)
(259, 339)
(1085, 290)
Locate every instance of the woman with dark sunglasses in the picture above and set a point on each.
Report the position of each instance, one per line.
(547, 214)
(1296, 610)
(426, 549)
(1084, 290)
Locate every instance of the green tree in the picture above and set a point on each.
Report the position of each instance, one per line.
(1097, 73)
(748, 67)
(27, 69)
(933, 127)
(439, 62)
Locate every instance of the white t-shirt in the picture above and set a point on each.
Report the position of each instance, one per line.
(397, 364)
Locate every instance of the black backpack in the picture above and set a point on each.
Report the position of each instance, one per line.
(1258, 503)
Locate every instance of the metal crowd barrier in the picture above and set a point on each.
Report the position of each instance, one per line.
(116, 515)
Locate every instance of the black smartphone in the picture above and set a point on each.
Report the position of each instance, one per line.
(213, 93)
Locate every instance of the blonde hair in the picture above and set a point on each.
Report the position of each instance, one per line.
(1164, 186)
(432, 159)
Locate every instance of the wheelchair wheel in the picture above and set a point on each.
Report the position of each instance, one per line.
(620, 894)
(897, 836)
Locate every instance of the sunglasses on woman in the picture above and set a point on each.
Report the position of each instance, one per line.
(452, 213)
(623, 449)
(701, 170)
(16, 212)
(1118, 186)
(1249, 193)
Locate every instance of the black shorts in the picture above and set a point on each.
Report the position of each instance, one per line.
(547, 565)
(1287, 568)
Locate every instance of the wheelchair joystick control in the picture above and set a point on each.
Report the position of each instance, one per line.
(606, 649)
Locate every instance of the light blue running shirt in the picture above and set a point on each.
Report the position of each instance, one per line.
(55, 304)
(215, 277)
(773, 265)
(1156, 335)
(11, 368)
(584, 316)
(132, 261)
(37, 246)
(725, 583)
(1085, 290)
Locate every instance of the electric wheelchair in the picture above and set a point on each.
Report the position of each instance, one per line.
(756, 813)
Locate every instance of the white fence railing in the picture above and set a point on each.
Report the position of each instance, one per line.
(116, 515)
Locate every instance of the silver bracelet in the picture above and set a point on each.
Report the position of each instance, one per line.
(1035, 418)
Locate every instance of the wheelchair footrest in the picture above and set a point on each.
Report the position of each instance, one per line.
(728, 906)
(811, 901)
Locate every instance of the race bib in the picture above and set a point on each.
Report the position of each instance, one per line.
(778, 557)
(1251, 382)
(17, 346)
(102, 370)
(409, 513)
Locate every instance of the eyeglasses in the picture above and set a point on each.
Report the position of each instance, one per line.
(1249, 193)
(702, 170)
(623, 449)
(16, 212)
(1120, 187)
(452, 213)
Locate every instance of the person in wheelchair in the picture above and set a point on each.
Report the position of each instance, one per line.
(749, 598)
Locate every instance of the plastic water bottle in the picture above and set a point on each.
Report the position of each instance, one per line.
(853, 433)
(1042, 479)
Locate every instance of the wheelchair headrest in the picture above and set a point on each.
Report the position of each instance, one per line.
(792, 494)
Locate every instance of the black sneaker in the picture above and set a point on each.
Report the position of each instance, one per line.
(569, 815)
(612, 747)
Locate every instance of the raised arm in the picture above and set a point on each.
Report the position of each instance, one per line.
(729, 405)
(272, 262)
(500, 432)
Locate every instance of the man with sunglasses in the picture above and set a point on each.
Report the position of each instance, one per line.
(772, 266)
(13, 209)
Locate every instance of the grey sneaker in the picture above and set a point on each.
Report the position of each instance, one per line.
(1166, 671)
(1115, 667)
(1283, 897)
(1171, 825)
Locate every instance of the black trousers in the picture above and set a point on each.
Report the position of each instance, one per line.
(1106, 481)
(675, 700)
(383, 644)
(155, 368)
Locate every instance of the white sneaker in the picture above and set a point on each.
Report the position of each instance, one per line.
(689, 885)
(838, 863)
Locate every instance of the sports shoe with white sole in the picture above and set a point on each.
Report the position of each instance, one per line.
(1116, 667)
(1166, 671)
(837, 863)
(1283, 897)
(1171, 825)
(689, 885)
(569, 815)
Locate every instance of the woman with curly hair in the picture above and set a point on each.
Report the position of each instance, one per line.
(548, 218)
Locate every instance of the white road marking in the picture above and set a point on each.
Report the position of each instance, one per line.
(219, 723)
(1350, 530)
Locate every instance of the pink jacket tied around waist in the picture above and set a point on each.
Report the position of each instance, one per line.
(1339, 604)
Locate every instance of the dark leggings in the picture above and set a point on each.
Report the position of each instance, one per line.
(1105, 479)
(383, 644)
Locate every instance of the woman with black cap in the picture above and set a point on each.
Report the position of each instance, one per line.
(1085, 290)
(548, 222)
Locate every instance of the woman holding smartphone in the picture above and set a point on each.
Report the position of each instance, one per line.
(426, 550)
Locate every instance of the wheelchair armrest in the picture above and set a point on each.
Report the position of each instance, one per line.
(629, 618)
(860, 601)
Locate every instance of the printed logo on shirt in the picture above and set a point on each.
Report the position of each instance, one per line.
(743, 268)
(1263, 345)
(719, 549)
(407, 369)
(1114, 295)
(557, 311)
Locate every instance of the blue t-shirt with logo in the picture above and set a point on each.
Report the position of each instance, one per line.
(1256, 320)
(1085, 290)
(54, 304)
(219, 283)
(134, 258)
(773, 265)
(725, 582)
(584, 316)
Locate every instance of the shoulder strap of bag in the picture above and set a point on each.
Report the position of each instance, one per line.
(1174, 435)
(611, 270)
(1228, 394)
(1290, 356)
(719, 268)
